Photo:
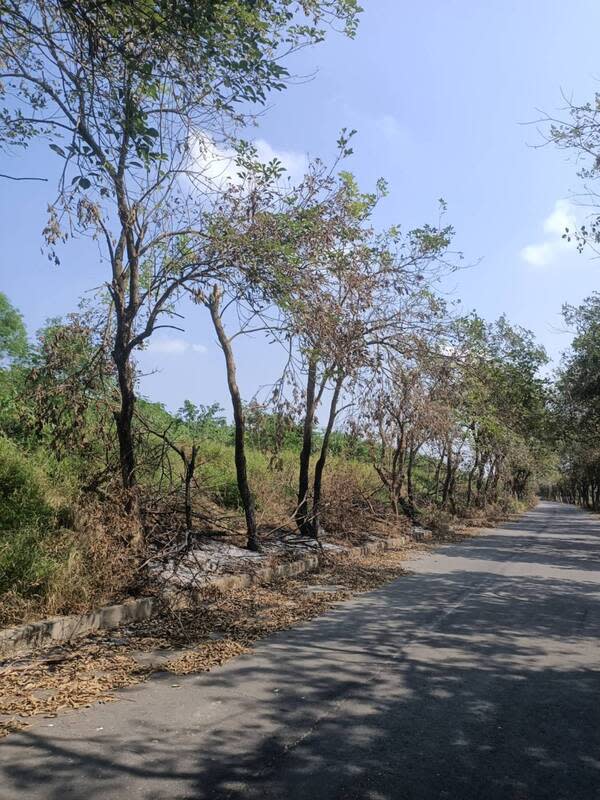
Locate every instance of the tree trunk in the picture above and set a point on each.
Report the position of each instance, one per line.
(390, 485)
(452, 488)
(190, 466)
(302, 516)
(124, 417)
(448, 478)
(472, 472)
(320, 465)
(489, 480)
(124, 424)
(496, 478)
(480, 479)
(241, 467)
(398, 468)
(438, 470)
(409, 506)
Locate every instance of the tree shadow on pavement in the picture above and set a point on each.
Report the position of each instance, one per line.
(462, 683)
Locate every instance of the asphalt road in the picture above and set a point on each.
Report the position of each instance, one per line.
(475, 677)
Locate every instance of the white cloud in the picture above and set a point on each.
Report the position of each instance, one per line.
(217, 163)
(543, 254)
(391, 129)
(295, 163)
(539, 255)
(562, 217)
(173, 346)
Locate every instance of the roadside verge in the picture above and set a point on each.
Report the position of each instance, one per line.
(22, 638)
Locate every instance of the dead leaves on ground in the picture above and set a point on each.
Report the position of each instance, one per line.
(11, 726)
(221, 627)
(79, 676)
(209, 656)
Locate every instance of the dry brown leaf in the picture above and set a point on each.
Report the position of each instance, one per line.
(208, 656)
(90, 670)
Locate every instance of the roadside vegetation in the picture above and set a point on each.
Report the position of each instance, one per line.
(575, 412)
(575, 396)
(390, 409)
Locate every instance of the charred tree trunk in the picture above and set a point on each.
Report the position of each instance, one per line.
(302, 515)
(409, 503)
(241, 467)
(190, 466)
(124, 424)
(124, 417)
(320, 465)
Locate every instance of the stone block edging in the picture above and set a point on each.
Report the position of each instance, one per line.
(61, 629)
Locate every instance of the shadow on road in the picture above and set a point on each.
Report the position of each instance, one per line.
(475, 677)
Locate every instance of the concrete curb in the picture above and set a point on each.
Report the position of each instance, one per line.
(62, 629)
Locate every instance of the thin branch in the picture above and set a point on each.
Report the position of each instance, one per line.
(15, 178)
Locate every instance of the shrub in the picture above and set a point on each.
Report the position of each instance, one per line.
(23, 504)
(25, 567)
(25, 516)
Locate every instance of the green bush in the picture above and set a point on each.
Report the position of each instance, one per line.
(25, 566)
(25, 517)
(229, 494)
(216, 472)
(23, 503)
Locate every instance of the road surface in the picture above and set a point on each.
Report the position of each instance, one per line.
(474, 677)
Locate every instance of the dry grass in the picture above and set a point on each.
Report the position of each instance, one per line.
(94, 565)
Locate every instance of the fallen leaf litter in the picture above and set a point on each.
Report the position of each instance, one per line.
(220, 627)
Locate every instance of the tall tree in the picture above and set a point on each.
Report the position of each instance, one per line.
(369, 294)
(213, 303)
(13, 335)
(129, 95)
(576, 408)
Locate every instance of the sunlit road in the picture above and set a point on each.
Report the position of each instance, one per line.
(475, 677)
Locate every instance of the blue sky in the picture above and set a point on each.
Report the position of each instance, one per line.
(440, 92)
